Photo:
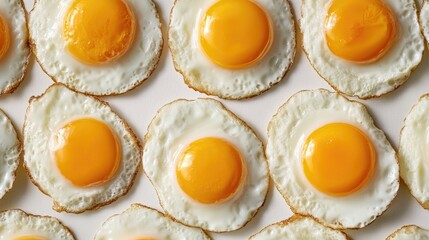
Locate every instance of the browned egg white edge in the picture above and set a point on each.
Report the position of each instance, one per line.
(285, 196)
(56, 206)
(297, 217)
(148, 136)
(401, 80)
(154, 66)
(220, 94)
(407, 228)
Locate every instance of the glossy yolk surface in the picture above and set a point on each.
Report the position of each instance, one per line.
(98, 32)
(235, 33)
(87, 152)
(4, 37)
(209, 170)
(30, 238)
(338, 159)
(359, 30)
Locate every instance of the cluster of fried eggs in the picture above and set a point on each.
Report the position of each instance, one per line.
(14, 49)
(18, 225)
(228, 53)
(363, 48)
(97, 47)
(299, 227)
(10, 153)
(77, 150)
(211, 170)
(143, 223)
(323, 151)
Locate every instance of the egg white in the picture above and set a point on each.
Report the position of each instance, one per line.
(364, 80)
(410, 232)
(140, 221)
(15, 223)
(46, 24)
(424, 20)
(201, 74)
(13, 65)
(175, 126)
(299, 227)
(303, 113)
(49, 112)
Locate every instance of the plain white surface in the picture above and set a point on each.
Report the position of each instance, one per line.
(139, 106)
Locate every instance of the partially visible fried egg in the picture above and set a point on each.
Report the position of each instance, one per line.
(410, 232)
(363, 48)
(14, 47)
(18, 225)
(232, 49)
(143, 223)
(329, 160)
(97, 47)
(78, 150)
(424, 20)
(299, 227)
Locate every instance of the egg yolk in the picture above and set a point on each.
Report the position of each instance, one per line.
(235, 33)
(359, 30)
(30, 238)
(87, 152)
(4, 37)
(209, 170)
(98, 32)
(338, 159)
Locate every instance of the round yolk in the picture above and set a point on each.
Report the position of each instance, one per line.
(338, 159)
(29, 238)
(87, 152)
(235, 33)
(359, 30)
(209, 170)
(4, 37)
(99, 32)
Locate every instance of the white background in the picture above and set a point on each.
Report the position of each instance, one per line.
(139, 106)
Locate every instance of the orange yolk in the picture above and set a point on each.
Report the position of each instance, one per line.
(338, 159)
(4, 37)
(99, 32)
(209, 170)
(359, 30)
(29, 238)
(87, 152)
(235, 33)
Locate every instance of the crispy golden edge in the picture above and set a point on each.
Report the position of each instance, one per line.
(406, 227)
(297, 217)
(425, 205)
(33, 48)
(285, 196)
(204, 91)
(67, 229)
(17, 82)
(128, 129)
(148, 136)
(404, 77)
(20, 156)
(164, 215)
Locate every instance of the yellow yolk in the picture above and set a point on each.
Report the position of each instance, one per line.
(209, 170)
(87, 152)
(338, 159)
(4, 37)
(235, 33)
(99, 32)
(359, 30)
(30, 238)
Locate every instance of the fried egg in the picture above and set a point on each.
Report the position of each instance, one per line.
(329, 160)
(424, 20)
(96, 47)
(78, 150)
(230, 54)
(363, 48)
(14, 47)
(141, 222)
(410, 232)
(299, 227)
(18, 225)
(10, 153)
(413, 150)
(211, 170)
